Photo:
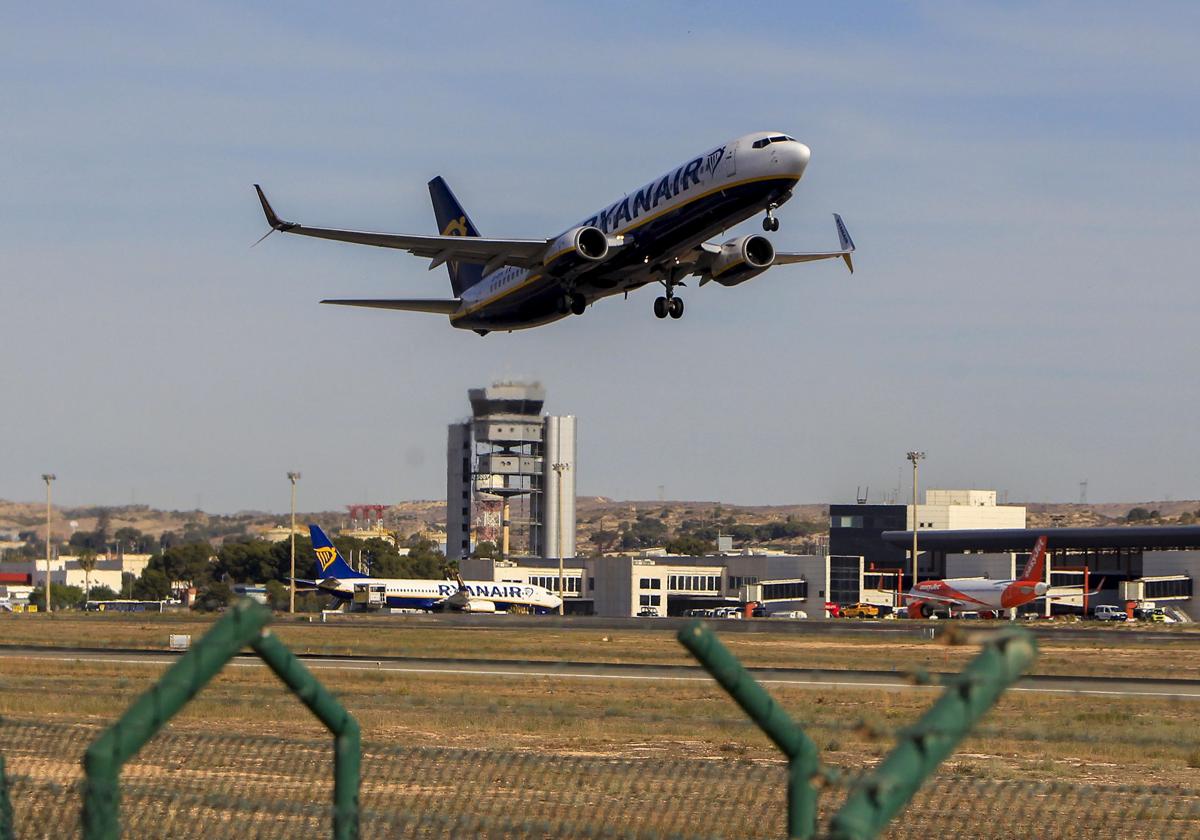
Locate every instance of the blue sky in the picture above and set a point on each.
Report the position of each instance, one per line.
(1020, 179)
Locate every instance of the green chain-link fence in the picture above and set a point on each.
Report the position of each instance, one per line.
(200, 780)
(190, 785)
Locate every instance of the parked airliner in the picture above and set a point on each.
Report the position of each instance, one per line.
(655, 234)
(333, 576)
(982, 594)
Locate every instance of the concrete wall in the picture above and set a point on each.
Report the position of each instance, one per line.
(560, 449)
(459, 447)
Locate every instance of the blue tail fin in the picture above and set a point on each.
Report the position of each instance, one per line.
(452, 220)
(329, 560)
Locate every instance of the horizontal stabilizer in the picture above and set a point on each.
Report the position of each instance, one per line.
(437, 306)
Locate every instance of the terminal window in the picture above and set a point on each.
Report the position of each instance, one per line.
(650, 583)
(790, 590)
(650, 600)
(570, 584)
(694, 583)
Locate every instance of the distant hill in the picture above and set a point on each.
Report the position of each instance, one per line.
(594, 513)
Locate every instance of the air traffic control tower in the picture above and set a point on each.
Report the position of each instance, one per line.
(509, 456)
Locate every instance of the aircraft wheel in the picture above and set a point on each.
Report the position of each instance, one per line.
(661, 307)
(774, 224)
(578, 303)
(767, 224)
(564, 305)
(675, 308)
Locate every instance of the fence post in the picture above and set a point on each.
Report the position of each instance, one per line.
(922, 747)
(6, 812)
(347, 749)
(801, 752)
(240, 627)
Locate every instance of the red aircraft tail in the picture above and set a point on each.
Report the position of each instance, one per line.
(1035, 568)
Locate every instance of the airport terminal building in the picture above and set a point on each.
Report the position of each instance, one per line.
(670, 585)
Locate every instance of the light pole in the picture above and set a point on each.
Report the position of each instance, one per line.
(48, 477)
(559, 469)
(915, 457)
(293, 477)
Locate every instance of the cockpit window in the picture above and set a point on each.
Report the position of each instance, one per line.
(778, 138)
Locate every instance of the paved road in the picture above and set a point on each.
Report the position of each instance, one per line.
(1176, 689)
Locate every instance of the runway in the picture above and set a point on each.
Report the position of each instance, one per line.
(1084, 686)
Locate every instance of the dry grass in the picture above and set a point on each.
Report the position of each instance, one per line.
(1065, 655)
(1132, 741)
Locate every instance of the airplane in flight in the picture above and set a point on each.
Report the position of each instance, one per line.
(656, 234)
(332, 575)
(983, 594)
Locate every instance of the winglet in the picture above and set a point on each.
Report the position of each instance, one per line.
(844, 240)
(273, 220)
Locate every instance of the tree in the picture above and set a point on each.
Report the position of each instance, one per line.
(690, 546)
(87, 562)
(102, 593)
(214, 597)
(153, 585)
(604, 540)
(249, 561)
(279, 595)
(1138, 514)
(61, 596)
(486, 548)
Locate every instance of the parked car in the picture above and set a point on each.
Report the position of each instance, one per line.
(860, 610)
(790, 614)
(1109, 612)
(648, 612)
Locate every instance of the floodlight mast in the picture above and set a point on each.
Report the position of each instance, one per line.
(48, 477)
(293, 477)
(915, 457)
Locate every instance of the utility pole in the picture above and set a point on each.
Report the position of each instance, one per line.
(293, 477)
(48, 477)
(559, 469)
(915, 457)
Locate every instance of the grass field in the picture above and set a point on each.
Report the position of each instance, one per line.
(533, 725)
(1038, 736)
(1066, 655)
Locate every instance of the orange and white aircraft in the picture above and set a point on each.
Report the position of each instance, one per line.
(981, 593)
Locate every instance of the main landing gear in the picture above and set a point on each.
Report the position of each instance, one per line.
(572, 302)
(668, 304)
(771, 223)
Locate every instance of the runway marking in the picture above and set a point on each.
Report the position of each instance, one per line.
(365, 665)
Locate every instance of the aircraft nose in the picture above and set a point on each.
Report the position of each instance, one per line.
(792, 157)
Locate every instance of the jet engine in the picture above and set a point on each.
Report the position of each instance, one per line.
(578, 246)
(480, 605)
(742, 258)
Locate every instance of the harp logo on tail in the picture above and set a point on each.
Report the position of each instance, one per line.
(326, 554)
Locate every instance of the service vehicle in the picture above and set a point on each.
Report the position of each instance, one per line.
(860, 610)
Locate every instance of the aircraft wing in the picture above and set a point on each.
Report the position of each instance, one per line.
(442, 307)
(524, 253)
(844, 240)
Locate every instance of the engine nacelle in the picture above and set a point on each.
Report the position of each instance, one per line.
(480, 605)
(742, 258)
(578, 246)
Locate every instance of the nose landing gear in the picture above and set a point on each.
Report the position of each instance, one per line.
(770, 223)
